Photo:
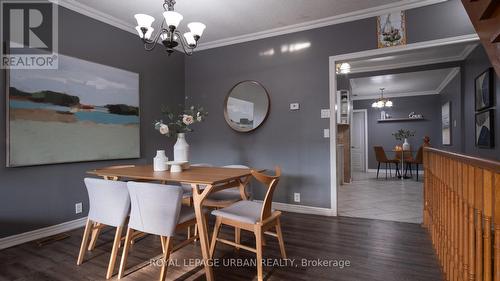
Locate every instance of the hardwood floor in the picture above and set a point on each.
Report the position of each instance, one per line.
(376, 250)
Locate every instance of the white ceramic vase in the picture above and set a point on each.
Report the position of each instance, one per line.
(181, 148)
(159, 162)
(406, 145)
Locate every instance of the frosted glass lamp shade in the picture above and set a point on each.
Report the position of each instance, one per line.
(144, 20)
(166, 36)
(388, 103)
(196, 28)
(345, 68)
(375, 105)
(148, 34)
(380, 104)
(190, 39)
(172, 18)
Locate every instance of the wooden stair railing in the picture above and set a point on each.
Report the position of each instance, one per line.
(462, 214)
(485, 16)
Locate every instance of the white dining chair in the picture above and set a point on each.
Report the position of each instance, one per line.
(156, 209)
(228, 196)
(109, 205)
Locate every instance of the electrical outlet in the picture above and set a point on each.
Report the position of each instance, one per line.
(78, 208)
(296, 197)
(294, 106)
(326, 133)
(325, 113)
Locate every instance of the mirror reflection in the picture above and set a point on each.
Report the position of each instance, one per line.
(246, 106)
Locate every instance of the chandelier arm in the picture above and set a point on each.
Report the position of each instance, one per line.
(150, 44)
(187, 49)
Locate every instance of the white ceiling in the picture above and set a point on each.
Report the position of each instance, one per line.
(233, 21)
(402, 84)
(445, 53)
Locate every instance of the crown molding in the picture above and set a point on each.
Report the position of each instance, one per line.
(453, 72)
(347, 17)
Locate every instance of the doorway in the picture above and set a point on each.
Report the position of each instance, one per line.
(359, 141)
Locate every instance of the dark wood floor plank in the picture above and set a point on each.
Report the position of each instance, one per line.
(377, 250)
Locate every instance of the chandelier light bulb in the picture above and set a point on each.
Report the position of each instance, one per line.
(196, 28)
(144, 20)
(172, 18)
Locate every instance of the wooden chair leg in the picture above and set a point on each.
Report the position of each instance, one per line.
(126, 248)
(163, 244)
(237, 237)
(378, 169)
(168, 242)
(280, 239)
(258, 246)
(196, 232)
(214, 236)
(85, 241)
(114, 252)
(390, 170)
(95, 236)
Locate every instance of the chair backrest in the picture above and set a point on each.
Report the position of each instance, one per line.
(109, 201)
(155, 207)
(270, 182)
(237, 166)
(380, 154)
(420, 155)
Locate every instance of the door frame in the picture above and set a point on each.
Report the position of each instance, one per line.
(333, 94)
(365, 119)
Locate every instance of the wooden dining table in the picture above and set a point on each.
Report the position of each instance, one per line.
(203, 180)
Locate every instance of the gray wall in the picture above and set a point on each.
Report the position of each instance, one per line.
(452, 93)
(475, 64)
(34, 197)
(380, 134)
(292, 139)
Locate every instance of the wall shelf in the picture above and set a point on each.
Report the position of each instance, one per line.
(399, 119)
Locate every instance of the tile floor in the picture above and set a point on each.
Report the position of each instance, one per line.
(391, 199)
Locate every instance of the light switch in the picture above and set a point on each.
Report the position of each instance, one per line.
(326, 133)
(325, 113)
(294, 106)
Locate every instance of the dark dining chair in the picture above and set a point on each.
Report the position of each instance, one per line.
(382, 158)
(418, 160)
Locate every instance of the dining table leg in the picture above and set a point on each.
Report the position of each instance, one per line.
(198, 198)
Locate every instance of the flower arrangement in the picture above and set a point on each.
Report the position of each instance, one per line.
(402, 134)
(180, 121)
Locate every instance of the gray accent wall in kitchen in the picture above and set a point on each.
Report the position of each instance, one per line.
(35, 197)
(292, 139)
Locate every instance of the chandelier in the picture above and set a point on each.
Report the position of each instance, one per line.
(382, 102)
(168, 35)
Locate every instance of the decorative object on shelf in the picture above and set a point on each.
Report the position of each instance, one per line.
(169, 35)
(485, 135)
(246, 106)
(403, 134)
(391, 29)
(382, 102)
(343, 68)
(484, 90)
(178, 124)
(82, 111)
(412, 115)
(343, 107)
(427, 141)
(160, 161)
(383, 115)
(445, 123)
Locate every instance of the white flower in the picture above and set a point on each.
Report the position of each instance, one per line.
(163, 129)
(187, 119)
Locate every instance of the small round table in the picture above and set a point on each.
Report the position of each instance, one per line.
(402, 154)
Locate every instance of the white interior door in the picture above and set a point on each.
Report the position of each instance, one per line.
(358, 139)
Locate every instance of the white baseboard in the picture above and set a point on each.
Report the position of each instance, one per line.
(302, 209)
(18, 239)
(382, 171)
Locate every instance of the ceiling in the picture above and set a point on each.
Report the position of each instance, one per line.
(427, 82)
(230, 21)
(425, 56)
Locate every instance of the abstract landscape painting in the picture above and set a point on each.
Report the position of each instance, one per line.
(82, 111)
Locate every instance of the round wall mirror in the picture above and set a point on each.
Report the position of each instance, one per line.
(246, 106)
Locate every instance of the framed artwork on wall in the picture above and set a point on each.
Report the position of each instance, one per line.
(391, 29)
(485, 135)
(484, 90)
(445, 123)
(83, 111)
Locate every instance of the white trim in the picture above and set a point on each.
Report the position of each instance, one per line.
(342, 18)
(302, 209)
(453, 72)
(333, 89)
(95, 14)
(399, 95)
(365, 111)
(18, 239)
